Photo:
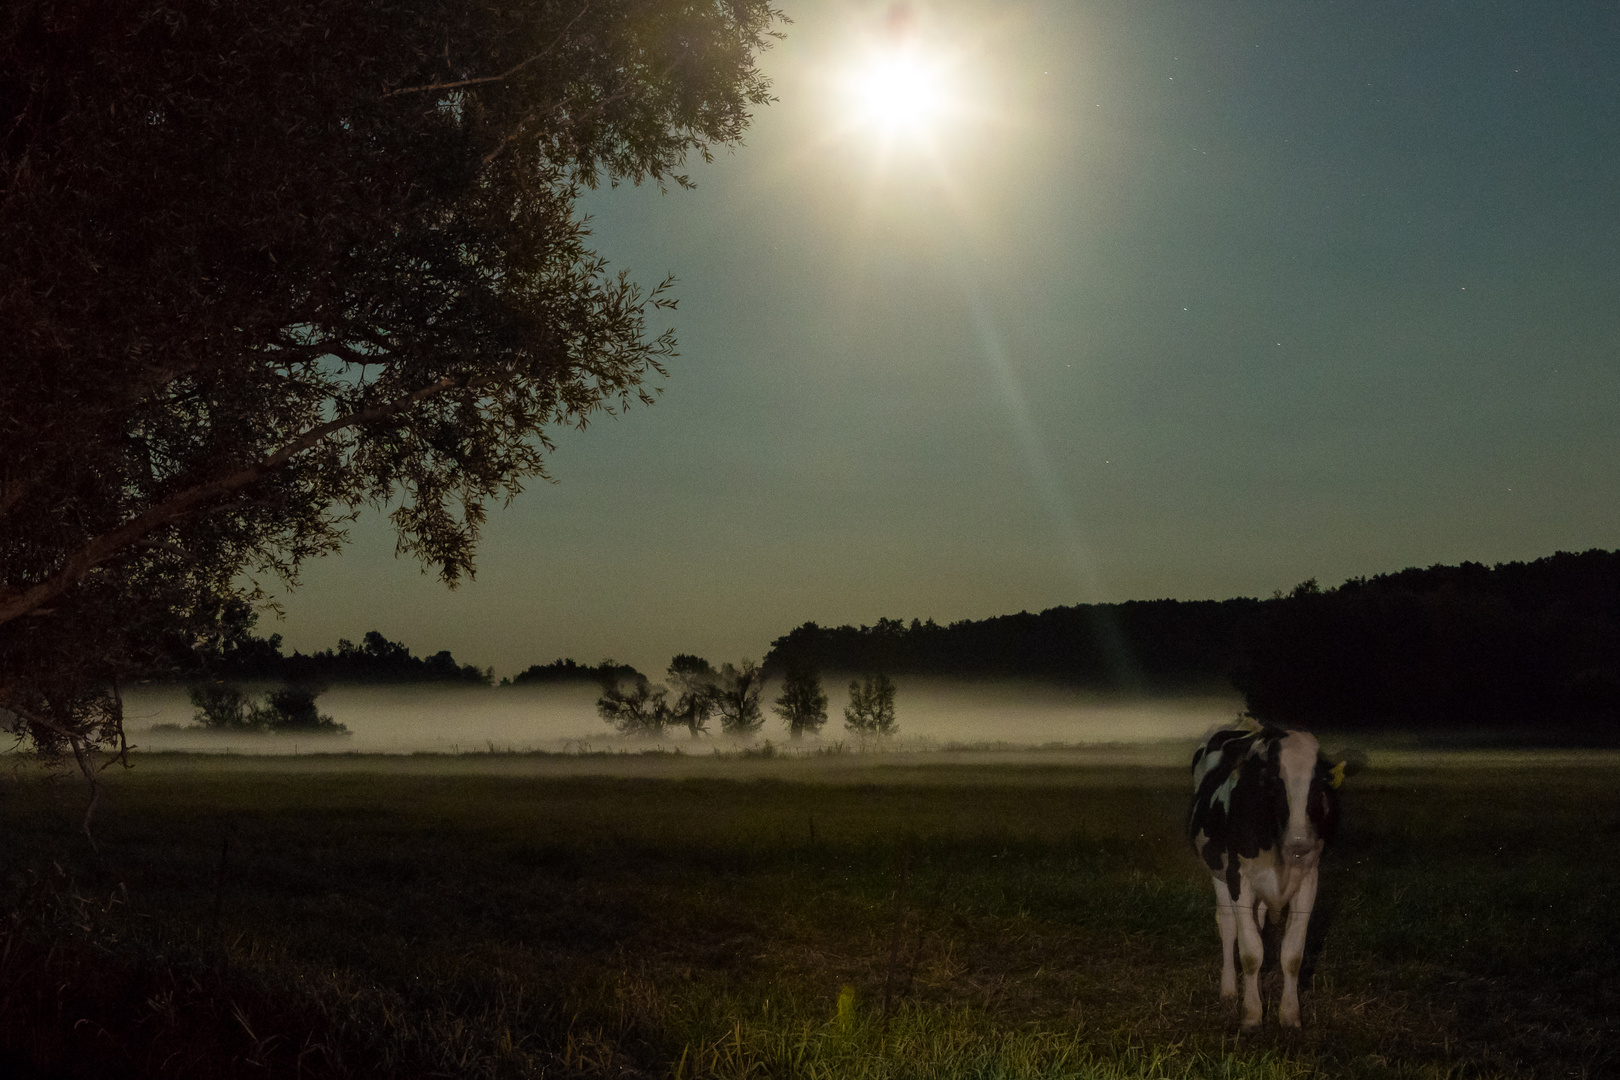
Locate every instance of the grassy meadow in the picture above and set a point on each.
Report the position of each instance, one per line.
(1014, 915)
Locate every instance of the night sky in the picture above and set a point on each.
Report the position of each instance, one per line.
(1175, 300)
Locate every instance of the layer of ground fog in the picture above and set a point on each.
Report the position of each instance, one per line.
(1020, 915)
(933, 713)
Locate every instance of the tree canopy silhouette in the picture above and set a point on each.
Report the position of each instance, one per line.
(1519, 645)
(564, 671)
(871, 706)
(697, 691)
(264, 264)
(803, 703)
(1136, 645)
(1530, 646)
(736, 699)
(374, 660)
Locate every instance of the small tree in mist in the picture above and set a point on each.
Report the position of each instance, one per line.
(871, 706)
(633, 705)
(738, 698)
(803, 703)
(219, 706)
(292, 709)
(223, 707)
(697, 691)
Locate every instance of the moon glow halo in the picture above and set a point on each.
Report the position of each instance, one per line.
(899, 93)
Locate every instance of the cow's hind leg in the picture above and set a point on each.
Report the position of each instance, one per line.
(1251, 950)
(1226, 920)
(1293, 947)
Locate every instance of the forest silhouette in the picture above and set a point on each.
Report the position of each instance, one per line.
(1523, 645)
(374, 660)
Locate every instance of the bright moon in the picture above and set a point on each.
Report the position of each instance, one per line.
(899, 93)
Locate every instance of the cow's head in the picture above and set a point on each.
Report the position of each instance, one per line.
(1313, 803)
(1310, 784)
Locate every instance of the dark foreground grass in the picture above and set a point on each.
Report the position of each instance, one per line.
(988, 923)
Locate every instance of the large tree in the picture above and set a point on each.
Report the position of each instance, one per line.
(265, 263)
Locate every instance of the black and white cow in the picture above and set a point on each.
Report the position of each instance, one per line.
(1265, 803)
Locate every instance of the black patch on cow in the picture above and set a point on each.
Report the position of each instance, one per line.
(1255, 816)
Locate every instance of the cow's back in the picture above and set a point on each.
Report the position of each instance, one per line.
(1240, 802)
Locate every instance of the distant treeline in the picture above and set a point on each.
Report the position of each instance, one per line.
(1516, 645)
(567, 671)
(1470, 646)
(374, 660)
(1137, 645)
(377, 660)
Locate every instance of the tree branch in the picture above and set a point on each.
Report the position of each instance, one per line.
(81, 756)
(597, 109)
(15, 603)
(513, 70)
(12, 492)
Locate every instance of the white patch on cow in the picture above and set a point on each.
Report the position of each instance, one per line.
(1223, 794)
(1296, 761)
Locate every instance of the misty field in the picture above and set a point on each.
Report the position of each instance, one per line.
(1020, 915)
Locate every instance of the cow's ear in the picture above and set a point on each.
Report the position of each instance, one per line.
(1350, 762)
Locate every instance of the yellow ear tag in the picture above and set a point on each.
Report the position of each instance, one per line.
(1336, 775)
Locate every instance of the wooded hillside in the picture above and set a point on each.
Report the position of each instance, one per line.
(1519, 644)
